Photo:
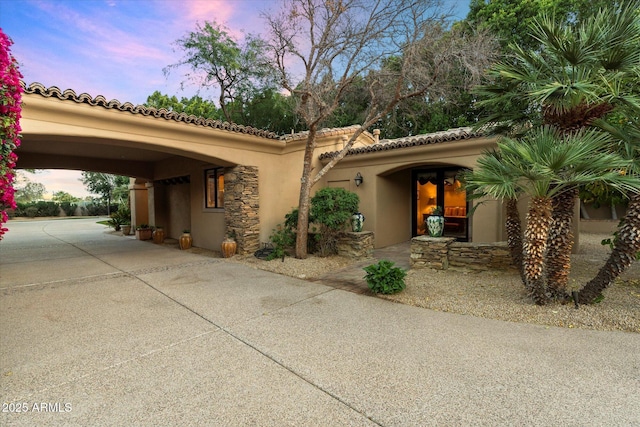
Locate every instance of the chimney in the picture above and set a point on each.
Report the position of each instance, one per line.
(376, 135)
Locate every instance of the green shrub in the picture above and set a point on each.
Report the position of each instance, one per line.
(31, 211)
(69, 208)
(283, 238)
(47, 208)
(384, 278)
(331, 209)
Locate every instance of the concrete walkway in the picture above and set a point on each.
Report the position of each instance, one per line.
(98, 329)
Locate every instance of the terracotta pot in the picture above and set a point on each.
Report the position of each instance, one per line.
(143, 234)
(229, 247)
(185, 241)
(158, 235)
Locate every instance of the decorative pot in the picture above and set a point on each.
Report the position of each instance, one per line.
(158, 235)
(229, 247)
(185, 241)
(357, 222)
(143, 234)
(435, 224)
(126, 230)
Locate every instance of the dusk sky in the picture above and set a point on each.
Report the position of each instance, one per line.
(117, 48)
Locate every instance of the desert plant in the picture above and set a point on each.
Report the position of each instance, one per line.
(120, 217)
(384, 278)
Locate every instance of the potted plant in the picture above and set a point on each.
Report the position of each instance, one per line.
(120, 218)
(185, 240)
(435, 222)
(229, 245)
(158, 234)
(143, 232)
(126, 228)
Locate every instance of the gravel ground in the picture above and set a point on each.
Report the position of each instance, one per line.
(496, 294)
(311, 268)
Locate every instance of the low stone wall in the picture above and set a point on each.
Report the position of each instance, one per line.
(356, 245)
(442, 253)
(430, 252)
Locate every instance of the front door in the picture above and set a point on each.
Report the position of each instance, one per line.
(439, 187)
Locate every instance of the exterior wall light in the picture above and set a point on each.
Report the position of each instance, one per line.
(358, 179)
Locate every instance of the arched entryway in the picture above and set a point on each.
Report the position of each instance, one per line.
(441, 187)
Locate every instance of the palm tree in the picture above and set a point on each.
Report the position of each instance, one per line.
(626, 245)
(580, 74)
(543, 164)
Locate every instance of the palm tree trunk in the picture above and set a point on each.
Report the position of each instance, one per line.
(514, 235)
(535, 248)
(625, 248)
(561, 243)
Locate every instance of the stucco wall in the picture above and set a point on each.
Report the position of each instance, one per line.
(385, 195)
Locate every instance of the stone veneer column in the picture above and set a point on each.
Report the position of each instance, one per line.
(356, 245)
(430, 252)
(242, 207)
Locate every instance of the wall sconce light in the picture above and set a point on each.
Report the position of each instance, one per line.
(358, 179)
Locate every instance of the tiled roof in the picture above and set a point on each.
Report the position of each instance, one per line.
(101, 101)
(411, 141)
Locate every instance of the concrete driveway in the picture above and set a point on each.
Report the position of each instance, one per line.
(98, 329)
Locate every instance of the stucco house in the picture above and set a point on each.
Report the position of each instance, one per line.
(211, 177)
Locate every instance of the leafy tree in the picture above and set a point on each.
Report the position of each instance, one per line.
(27, 190)
(192, 106)
(109, 187)
(510, 20)
(238, 71)
(333, 45)
(268, 110)
(63, 196)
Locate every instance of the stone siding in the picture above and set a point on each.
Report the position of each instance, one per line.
(242, 207)
(430, 252)
(356, 245)
(442, 253)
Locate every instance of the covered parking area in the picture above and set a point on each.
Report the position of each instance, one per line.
(171, 159)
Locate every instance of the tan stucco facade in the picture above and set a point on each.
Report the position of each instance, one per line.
(167, 156)
(385, 195)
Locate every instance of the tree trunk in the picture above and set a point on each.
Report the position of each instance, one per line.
(305, 193)
(535, 248)
(514, 235)
(626, 246)
(560, 243)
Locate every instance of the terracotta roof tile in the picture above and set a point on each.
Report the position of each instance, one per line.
(411, 141)
(101, 101)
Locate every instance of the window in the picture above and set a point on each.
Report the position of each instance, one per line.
(214, 185)
(440, 187)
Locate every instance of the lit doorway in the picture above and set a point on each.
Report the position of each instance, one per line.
(439, 187)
